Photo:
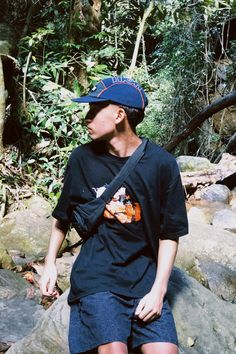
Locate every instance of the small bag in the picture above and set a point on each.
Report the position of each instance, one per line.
(86, 217)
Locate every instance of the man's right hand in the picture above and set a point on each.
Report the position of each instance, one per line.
(48, 280)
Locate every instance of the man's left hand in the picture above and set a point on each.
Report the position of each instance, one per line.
(149, 307)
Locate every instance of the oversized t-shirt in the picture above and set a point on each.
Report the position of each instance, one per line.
(121, 254)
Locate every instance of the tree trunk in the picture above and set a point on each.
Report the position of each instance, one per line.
(2, 104)
(138, 39)
(197, 120)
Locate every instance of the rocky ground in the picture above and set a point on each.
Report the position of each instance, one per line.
(202, 289)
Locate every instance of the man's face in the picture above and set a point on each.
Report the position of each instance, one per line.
(101, 120)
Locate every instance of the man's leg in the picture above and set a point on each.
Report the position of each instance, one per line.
(159, 348)
(113, 348)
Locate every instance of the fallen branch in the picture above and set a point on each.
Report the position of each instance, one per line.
(198, 119)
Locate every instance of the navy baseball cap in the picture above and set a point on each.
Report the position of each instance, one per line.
(118, 89)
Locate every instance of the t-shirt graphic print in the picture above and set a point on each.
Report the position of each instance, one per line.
(121, 206)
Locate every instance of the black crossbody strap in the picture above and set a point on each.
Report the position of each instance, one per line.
(128, 167)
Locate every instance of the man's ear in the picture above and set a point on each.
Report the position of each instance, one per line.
(120, 115)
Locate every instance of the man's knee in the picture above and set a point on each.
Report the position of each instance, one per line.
(113, 348)
(159, 348)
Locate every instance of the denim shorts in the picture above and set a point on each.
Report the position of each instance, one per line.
(105, 317)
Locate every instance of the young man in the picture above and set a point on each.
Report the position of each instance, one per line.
(119, 279)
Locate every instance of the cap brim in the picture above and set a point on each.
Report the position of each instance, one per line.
(88, 99)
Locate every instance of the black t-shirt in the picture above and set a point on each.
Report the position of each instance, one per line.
(121, 255)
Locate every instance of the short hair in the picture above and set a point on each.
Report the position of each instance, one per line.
(134, 115)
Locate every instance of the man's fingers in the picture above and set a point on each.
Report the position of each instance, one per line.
(140, 307)
(150, 317)
(145, 312)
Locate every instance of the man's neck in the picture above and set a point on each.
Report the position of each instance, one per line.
(123, 146)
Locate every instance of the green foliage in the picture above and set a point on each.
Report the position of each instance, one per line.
(176, 66)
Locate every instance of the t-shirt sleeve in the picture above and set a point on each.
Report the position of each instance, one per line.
(63, 207)
(71, 191)
(174, 222)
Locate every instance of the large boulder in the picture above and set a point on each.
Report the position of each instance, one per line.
(225, 219)
(218, 278)
(196, 214)
(209, 255)
(203, 321)
(205, 324)
(20, 309)
(208, 242)
(50, 334)
(25, 233)
(214, 193)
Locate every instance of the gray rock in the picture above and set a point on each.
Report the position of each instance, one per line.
(27, 234)
(198, 215)
(207, 242)
(205, 324)
(216, 277)
(6, 261)
(64, 265)
(225, 219)
(234, 191)
(49, 336)
(193, 163)
(221, 280)
(201, 316)
(216, 193)
(203, 211)
(19, 307)
(233, 201)
(38, 205)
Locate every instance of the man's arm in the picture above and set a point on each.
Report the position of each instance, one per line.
(49, 276)
(150, 305)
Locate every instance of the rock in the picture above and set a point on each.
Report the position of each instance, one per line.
(5, 38)
(221, 280)
(207, 242)
(205, 211)
(216, 277)
(226, 219)
(38, 206)
(234, 192)
(193, 163)
(19, 306)
(214, 193)
(233, 204)
(26, 233)
(202, 316)
(72, 237)
(198, 215)
(205, 324)
(6, 261)
(50, 334)
(64, 265)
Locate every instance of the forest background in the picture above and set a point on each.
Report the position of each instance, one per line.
(183, 52)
